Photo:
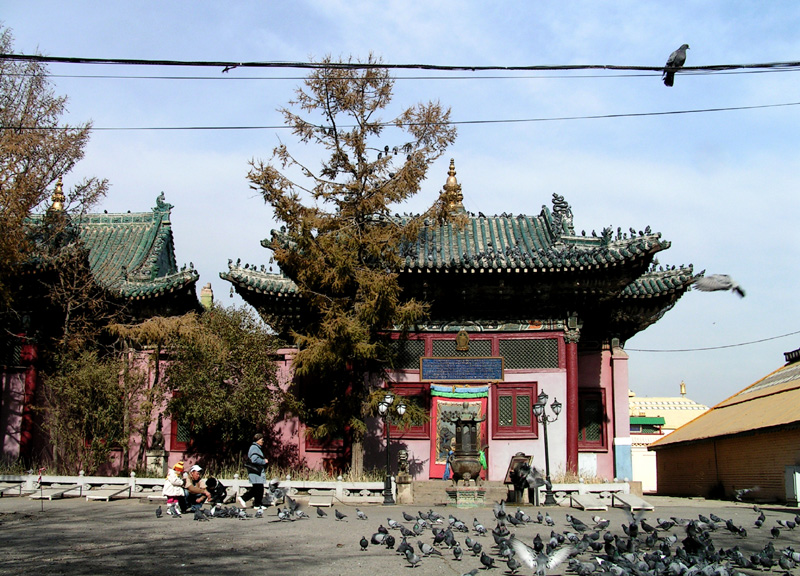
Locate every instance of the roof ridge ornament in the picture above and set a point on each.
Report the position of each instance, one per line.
(562, 216)
(161, 204)
(451, 191)
(58, 197)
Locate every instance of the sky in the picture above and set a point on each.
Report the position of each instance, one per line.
(721, 186)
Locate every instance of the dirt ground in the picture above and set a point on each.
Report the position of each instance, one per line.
(73, 536)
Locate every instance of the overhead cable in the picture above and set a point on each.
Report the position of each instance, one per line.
(391, 124)
(713, 347)
(230, 65)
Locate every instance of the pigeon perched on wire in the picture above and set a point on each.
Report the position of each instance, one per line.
(676, 60)
(715, 282)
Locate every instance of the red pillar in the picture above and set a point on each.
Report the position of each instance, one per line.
(571, 340)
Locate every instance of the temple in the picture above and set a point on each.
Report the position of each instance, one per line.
(131, 259)
(519, 304)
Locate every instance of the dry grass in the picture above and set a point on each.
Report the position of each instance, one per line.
(561, 476)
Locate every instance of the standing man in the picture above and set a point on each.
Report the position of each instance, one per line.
(255, 465)
(195, 487)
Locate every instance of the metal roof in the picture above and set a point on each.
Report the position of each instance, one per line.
(771, 402)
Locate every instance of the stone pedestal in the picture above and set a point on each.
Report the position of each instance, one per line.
(157, 462)
(405, 489)
(466, 496)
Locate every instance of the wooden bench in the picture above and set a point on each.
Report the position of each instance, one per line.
(9, 488)
(587, 501)
(107, 494)
(630, 501)
(56, 493)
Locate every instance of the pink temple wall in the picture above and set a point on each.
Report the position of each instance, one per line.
(604, 371)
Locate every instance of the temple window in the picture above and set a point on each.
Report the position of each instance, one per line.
(512, 405)
(591, 420)
(415, 394)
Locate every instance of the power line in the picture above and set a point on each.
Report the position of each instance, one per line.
(390, 124)
(230, 65)
(228, 78)
(715, 347)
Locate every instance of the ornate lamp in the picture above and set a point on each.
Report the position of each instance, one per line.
(385, 414)
(542, 417)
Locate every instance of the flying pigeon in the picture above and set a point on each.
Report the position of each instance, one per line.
(541, 562)
(676, 60)
(715, 282)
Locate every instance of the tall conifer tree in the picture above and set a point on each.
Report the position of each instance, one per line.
(338, 240)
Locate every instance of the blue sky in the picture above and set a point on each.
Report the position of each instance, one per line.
(722, 187)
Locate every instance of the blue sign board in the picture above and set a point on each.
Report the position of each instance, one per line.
(488, 369)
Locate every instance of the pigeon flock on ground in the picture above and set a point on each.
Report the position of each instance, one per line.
(664, 547)
(592, 547)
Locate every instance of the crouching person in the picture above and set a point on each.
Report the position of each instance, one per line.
(217, 490)
(195, 488)
(173, 490)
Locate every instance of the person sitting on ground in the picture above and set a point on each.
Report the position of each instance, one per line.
(195, 488)
(217, 490)
(173, 490)
(255, 465)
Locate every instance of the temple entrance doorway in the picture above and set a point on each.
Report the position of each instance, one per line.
(443, 430)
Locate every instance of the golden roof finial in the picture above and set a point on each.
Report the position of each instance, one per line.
(683, 388)
(58, 197)
(452, 189)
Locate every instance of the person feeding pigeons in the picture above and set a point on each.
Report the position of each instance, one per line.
(195, 487)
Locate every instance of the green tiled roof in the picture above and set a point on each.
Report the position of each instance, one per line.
(546, 242)
(660, 283)
(521, 242)
(259, 281)
(495, 267)
(133, 254)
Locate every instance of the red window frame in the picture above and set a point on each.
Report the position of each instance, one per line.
(597, 396)
(421, 394)
(323, 444)
(174, 444)
(514, 390)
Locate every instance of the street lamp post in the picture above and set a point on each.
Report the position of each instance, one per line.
(544, 419)
(384, 411)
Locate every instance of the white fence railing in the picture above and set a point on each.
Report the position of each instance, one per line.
(339, 490)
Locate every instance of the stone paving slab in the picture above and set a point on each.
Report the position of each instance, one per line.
(73, 536)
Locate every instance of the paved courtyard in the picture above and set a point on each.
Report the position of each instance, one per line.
(73, 536)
